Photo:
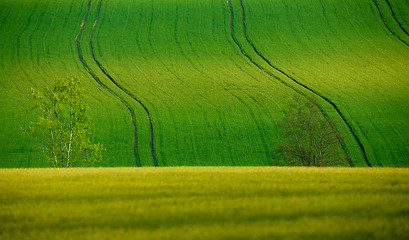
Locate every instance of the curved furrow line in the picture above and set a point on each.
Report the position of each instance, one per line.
(305, 87)
(126, 91)
(357, 140)
(164, 66)
(179, 45)
(20, 34)
(248, 56)
(386, 25)
(181, 50)
(234, 96)
(247, 94)
(45, 46)
(257, 123)
(23, 39)
(241, 48)
(7, 14)
(286, 75)
(394, 16)
(159, 88)
(95, 77)
(82, 23)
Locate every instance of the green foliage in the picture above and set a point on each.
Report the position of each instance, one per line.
(205, 203)
(63, 124)
(309, 138)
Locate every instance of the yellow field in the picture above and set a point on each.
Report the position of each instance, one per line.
(205, 203)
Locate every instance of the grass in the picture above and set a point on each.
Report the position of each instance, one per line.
(200, 116)
(37, 46)
(209, 105)
(344, 52)
(204, 203)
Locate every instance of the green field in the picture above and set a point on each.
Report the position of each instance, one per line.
(214, 83)
(204, 203)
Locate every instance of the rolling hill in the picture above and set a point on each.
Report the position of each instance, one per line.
(204, 82)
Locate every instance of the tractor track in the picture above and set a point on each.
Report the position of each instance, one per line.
(360, 145)
(362, 149)
(127, 92)
(7, 14)
(95, 77)
(386, 25)
(272, 74)
(394, 16)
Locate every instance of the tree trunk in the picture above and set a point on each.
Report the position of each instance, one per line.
(71, 134)
(61, 140)
(52, 140)
(52, 147)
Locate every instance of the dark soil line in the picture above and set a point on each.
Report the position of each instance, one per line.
(300, 84)
(363, 152)
(84, 64)
(241, 48)
(394, 16)
(123, 89)
(7, 14)
(274, 76)
(262, 139)
(248, 57)
(386, 25)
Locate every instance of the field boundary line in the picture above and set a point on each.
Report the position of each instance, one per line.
(127, 92)
(95, 77)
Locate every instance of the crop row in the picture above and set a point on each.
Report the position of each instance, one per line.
(203, 85)
(346, 52)
(38, 46)
(209, 105)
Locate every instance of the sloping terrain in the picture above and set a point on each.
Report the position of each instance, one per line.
(351, 52)
(205, 203)
(204, 82)
(38, 46)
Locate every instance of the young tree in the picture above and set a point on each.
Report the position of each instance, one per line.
(63, 124)
(309, 138)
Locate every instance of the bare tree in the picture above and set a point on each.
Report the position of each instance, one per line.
(63, 125)
(309, 138)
